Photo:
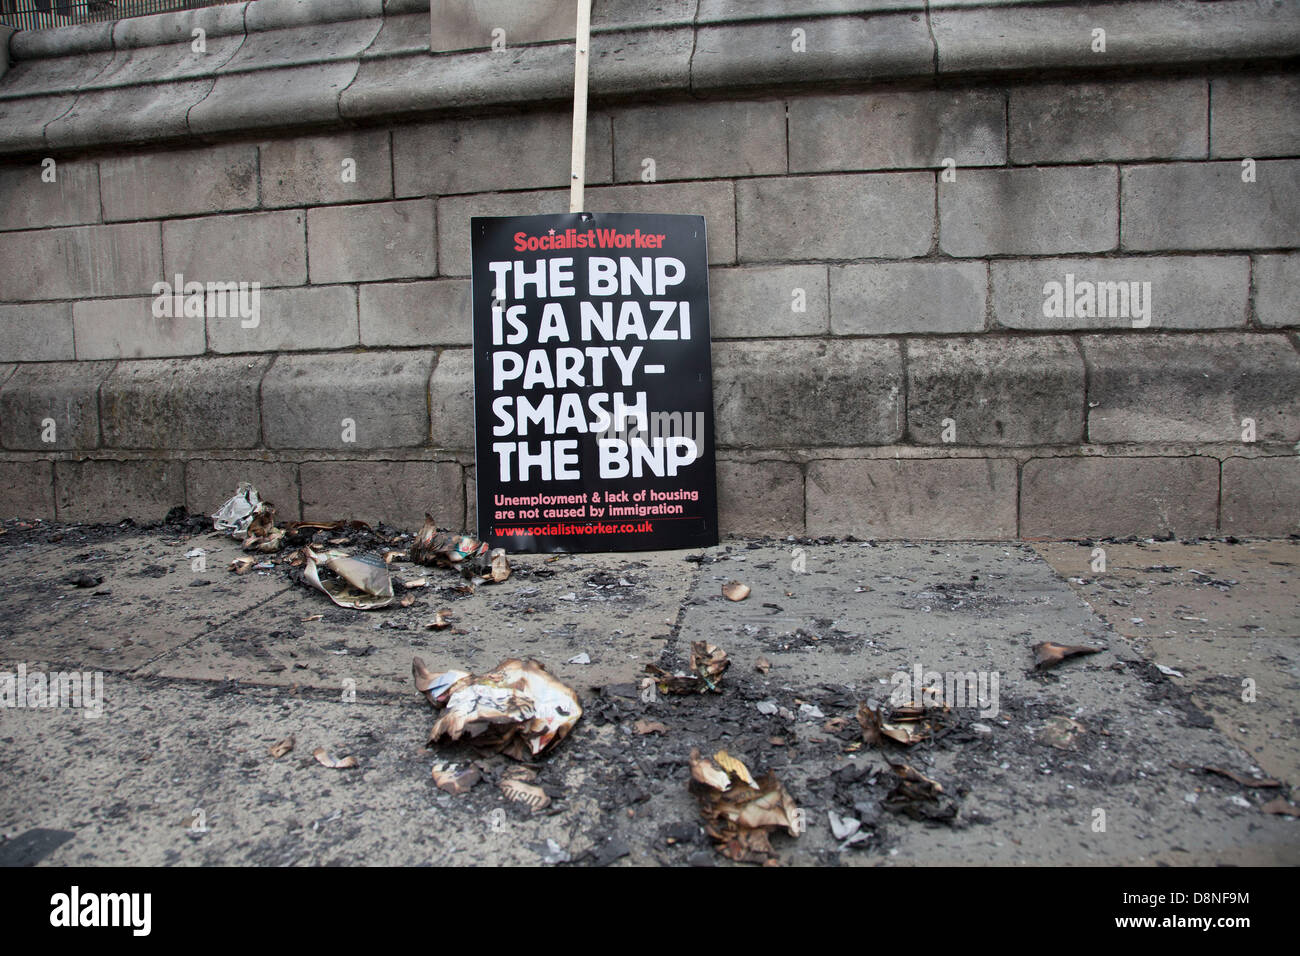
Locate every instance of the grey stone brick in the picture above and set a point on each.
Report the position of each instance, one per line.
(451, 400)
(309, 170)
(835, 217)
(54, 74)
(890, 297)
(1261, 496)
(398, 493)
(1254, 116)
(624, 14)
(835, 48)
(1185, 292)
(713, 200)
(462, 155)
(807, 393)
(632, 63)
(471, 502)
(127, 328)
(401, 34)
(416, 85)
(996, 391)
(291, 320)
(27, 201)
(282, 14)
(36, 332)
(128, 114)
(1207, 206)
(1149, 118)
(27, 489)
(701, 140)
(469, 24)
(210, 482)
(266, 99)
(66, 393)
(305, 43)
(730, 11)
(945, 498)
(1191, 388)
(177, 26)
(1059, 36)
(638, 63)
(306, 398)
(1277, 290)
(81, 261)
(373, 241)
(894, 130)
(182, 403)
(25, 120)
(166, 62)
(157, 185)
(65, 41)
(760, 302)
(417, 313)
(760, 497)
(109, 491)
(455, 212)
(1103, 497)
(1029, 211)
(265, 247)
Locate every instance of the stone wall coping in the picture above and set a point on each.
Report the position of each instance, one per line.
(380, 67)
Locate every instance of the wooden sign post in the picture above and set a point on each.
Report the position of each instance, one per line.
(582, 48)
(593, 387)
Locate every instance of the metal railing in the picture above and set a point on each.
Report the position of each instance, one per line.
(43, 14)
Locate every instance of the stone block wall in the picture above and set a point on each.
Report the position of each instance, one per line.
(971, 276)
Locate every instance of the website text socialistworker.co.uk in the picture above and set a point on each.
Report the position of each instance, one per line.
(558, 529)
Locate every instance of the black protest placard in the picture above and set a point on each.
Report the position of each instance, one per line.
(593, 391)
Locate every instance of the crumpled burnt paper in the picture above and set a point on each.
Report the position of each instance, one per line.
(739, 813)
(1049, 654)
(917, 796)
(517, 708)
(455, 778)
(461, 552)
(906, 725)
(236, 514)
(362, 583)
(708, 663)
(262, 534)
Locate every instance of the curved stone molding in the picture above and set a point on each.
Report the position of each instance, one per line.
(367, 60)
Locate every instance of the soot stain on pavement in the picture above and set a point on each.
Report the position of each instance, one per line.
(619, 795)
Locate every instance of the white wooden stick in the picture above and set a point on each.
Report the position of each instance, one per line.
(582, 46)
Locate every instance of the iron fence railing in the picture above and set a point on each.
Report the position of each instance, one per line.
(43, 14)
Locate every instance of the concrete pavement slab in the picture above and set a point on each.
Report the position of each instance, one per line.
(617, 609)
(1202, 589)
(150, 600)
(1098, 761)
(1250, 687)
